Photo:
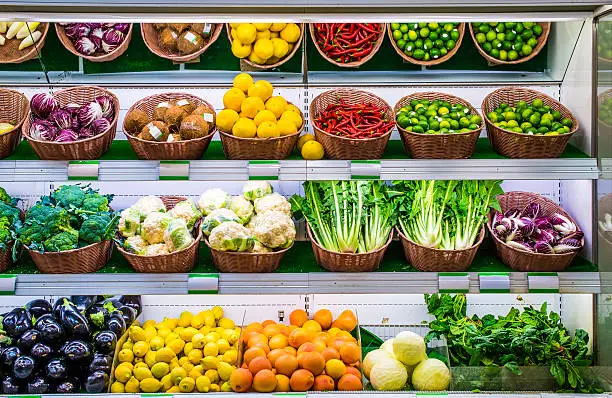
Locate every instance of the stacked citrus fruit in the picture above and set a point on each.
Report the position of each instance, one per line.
(251, 111)
(310, 354)
(194, 353)
(264, 43)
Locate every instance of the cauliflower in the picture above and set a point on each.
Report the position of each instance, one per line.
(136, 245)
(259, 248)
(186, 210)
(217, 217)
(242, 207)
(251, 225)
(275, 230)
(213, 199)
(147, 205)
(231, 236)
(156, 250)
(272, 202)
(256, 189)
(129, 223)
(177, 235)
(154, 226)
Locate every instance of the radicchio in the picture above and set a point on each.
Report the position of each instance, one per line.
(85, 46)
(66, 135)
(122, 27)
(527, 226)
(42, 130)
(106, 103)
(62, 118)
(43, 104)
(111, 39)
(567, 245)
(512, 213)
(543, 247)
(562, 224)
(525, 246)
(100, 125)
(89, 113)
(76, 30)
(96, 38)
(73, 108)
(85, 133)
(544, 235)
(532, 210)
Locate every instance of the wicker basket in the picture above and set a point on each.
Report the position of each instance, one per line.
(524, 261)
(431, 62)
(10, 54)
(348, 262)
(67, 43)
(179, 261)
(242, 262)
(604, 205)
(78, 261)
(438, 146)
(6, 256)
(14, 108)
(436, 260)
(355, 64)
(87, 149)
(520, 145)
(281, 61)
(150, 36)
(494, 61)
(348, 148)
(177, 150)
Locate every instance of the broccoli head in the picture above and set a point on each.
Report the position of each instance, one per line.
(6, 198)
(95, 202)
(42, 222)
(97, 228)
(62, 241)
(10, 212)
(5, 232)
(69, 196)
(32, 234)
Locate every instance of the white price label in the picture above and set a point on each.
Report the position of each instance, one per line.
(494, 282)
(543, 282)
(83, 169)
(453, 282)
(7, 284)
(203, 284)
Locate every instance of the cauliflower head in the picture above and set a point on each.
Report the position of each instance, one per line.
(256, 189)
(217, 217)
(188, 211)
(135, 244)
(156, 250)
(177, 235)
(272, 202)
(275, 230)
(251, 225)
(154, 226)
(231, 236)
(129, 223)
(147, 205)
(259, 248)
(242, 207)
(213, 199)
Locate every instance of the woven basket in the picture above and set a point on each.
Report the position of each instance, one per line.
(604, 205)
(494, 61)
(520, 145)
(78, 261)
(355, 64)
(6, 256)
(281, 61)
(242, 262)
(177, 150)
(348, 148)
(431, 62)
(436, 260)
(10, 54)
(179, 261)
(14, 108)
(524, 261)
(150, 36)
(348, 262)
(438, 146)
(87, 149)
(67, 43)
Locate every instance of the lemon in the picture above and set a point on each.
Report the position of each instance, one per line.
(294, 117)
(203, 384)
(213, 336)
(150, 385)
(128, 345)
(225, 121)
(277, 27)
(140, 348)
(304, 139)
(178, 330)
(165, 355)
(156, 343)
(173, 389)
(240, 50)
(126, 355)
(171, 323)
(183, 360)
(234, 34)
(194, 373)
(185, 319)
(281, 47)
(150, 332)
(250, 107)
(187, 333)
(173, 364)
(150, 358)
(230, 356)
(188, 348)
(262, 26)
(232, 99)
(128, 365)
(246, 33)
(140, 365)
(195, 356)
(263, 48)
(267, 130)
(149, 324)
(123, 373)
(263, 116)
(132, 385)
(276, 105)
(212, 375)
(177, 346)
(211, 349)
(226, 387)
(142, 373)
(225, 371)
(188, 366)
(217, 312)
(137, 333)
(286, 127)
(197, 321)
(234, 25)
(209, 363)
(163, 333)
(215, 388)
(274, 35)
(255, 59)
(177, 374)
(242, 81)
(291, 33)
(170, 337)
(244, 128)
(197, 340)
(262, 89)
(312, 150)
(166, 382)
(117, 388)
(231, 336)
(223, 345)
(205, 330)
(160, 369)
(263, 35)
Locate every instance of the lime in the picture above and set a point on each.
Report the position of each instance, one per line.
(401, 44)
(481, 38)
(537, 30)
(567, 122)
(454, 35)
(494, 53)
(537, 103)
(418, 54)
(404, 28)
(395, 26)
(412, 35)
(532, 42)
(484, 28)
(491, 35)
(512, 55)
(526, 50)
(501, 36)
(424, 32)
(503, 55)
(556, 115)
(397, 35)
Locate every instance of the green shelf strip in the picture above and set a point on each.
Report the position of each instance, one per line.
(543, 282)
(7, 284)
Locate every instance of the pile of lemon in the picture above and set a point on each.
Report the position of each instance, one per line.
(194, 353)
(263, 43)
(251, 111)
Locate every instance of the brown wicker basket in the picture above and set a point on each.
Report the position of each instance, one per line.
(281, 61)
(150, 36)
(10, 54)
(355, 64)
(67, 43)
(520, 145)
(431, 62)
(179, 261)
(524, 261)
(494, 61)
(6, 256)
(604, 243)
(348, 262)
(438, 146)
(436, 260)
(14, 108)
(177, 150)
(87, 149)
(242, 262)
(78, 261)
(348, 148)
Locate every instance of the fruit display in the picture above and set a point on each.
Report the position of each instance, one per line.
(317, 354)
(356, 121)
(347, 43)
(192, 353)
(425, 41)
(533, 118)
(95, 39)
(63, 348)
(508, 41)
(183, 38)
(25, 33)
(264, 43)
(437, 117)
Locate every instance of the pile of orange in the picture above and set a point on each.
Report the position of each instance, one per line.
(317, 354)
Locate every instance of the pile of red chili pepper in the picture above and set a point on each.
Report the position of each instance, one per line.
(347, 42)
(358, 121)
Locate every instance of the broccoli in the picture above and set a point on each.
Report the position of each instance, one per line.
(6, 198)
(42, 222)
(95, 202)
(97, 228)
(31, 234)
(69, 196)
(10, 212)
(62, 241)
(5, 232)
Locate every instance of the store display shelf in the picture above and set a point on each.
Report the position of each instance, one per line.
(337, 394)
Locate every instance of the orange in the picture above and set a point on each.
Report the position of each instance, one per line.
(346, 336)
(330, 353)
(335, 368)
(271, 330)
(312, 361)
(319, 344)
(337, 342)
(278, 341)
(298, 317)
(291, 350)
(346, 321)
(354, 371)
(254, 327)
(286, 364)
(241, 380)
(259, 363)
(256, 339)
(332, 332)
(301, 380)
(264, 381)
(349, 382)
(350, 353)
(282, 383)
(323, 383)
(306, 347)
(324, 318)
(312, 327)
(275, 354)
(253, 353)
(298, 337)
(284, 329)
(267, 322)
(263, 347)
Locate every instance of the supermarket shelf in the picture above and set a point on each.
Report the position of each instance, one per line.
(397, 394)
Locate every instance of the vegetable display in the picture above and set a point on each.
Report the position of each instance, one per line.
(25, 33)
(425, 41)
(95, 39)
(437, 117)
(347, 42)
(10, 221)
(64, 348)
(533, 119)
(264, 43)
(507, 41)
(183, 38)
(358, 121)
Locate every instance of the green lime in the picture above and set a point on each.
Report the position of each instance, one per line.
(412, 35)
(556, 115)
(454, 124)
(438, 44)
(404, 28)
(491, 35)
(401, 44)
(397, 35)
(395, 26)
(403, 121)
(493, 117)
(532, 42)
(419, 44)
(418, 54)
(507, 46)
(512, 55)
(417, 129)
(454, 35)
(567, 122)
(542, 130)
(526, 50)
(435, 53)
(519, 27)
(481, 38)
(509, 116)
(537, 30)
(503, 55)
(537, 103)
(450, 44)
(424, 32)
(494, 53)
(500, 27)
(487, 47)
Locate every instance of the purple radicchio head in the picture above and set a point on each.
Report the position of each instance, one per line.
(99, 126)
(525, 246)
(106, 103)
(543, 222)
(62, 118)
(532, 210)
(543, 247)
(43, 104)
(66, 135)
(85, 46)
(85, 133)
(527, 226)
(89, 113)
(42, 130)
(562, 224)
(76, 30)
(111, 39)
(122, 27)
(567, 245)
(96, 38)
(94, 25)
(73, 108)
(512, 213)
(544, 235)
(515, 233)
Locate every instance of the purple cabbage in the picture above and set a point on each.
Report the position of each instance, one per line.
(99, 126)
(122, 27)
(62, 118)
(89, 113)
(85, 46)
(562, 224)
(106, 103)
(66, 135)
(111, 39)
(544, 248)
(42, 130)
(43, 104)
(77, 30)
(532, 210)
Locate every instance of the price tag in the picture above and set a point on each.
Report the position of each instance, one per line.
(203, 284)
(83, 169)
(494, 282)
(290, 394)
(453, 282)
(264, 169)
(543, 282)
(7, 284)
(365, 169)
(431, 394)
(174, 170)
(156, 395)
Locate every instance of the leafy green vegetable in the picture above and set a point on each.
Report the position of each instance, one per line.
(98, 227)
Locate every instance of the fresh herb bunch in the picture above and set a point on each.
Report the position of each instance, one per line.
(10, 221)
(530, 337)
